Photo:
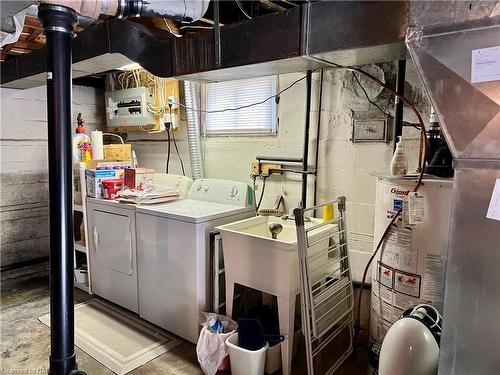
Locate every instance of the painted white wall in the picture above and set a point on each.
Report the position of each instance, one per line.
(23, 167)
(344, 168)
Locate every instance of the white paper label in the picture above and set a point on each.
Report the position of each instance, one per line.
(485, 64)
(494, 208)
(416, 208)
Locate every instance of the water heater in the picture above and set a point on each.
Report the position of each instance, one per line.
(410, 267)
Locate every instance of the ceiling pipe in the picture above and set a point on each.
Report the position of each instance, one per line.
(182, 10)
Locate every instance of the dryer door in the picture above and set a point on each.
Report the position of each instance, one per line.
(112, 240)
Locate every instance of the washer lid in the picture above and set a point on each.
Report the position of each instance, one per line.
(192, 210)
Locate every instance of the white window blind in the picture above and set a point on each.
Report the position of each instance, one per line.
(259, 119)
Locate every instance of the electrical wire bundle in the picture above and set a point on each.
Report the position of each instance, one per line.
(158, 107)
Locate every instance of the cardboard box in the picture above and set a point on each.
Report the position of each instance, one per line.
(95, 177)
(136, 178)
(108, 164)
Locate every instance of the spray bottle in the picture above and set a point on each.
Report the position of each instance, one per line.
(399, 165)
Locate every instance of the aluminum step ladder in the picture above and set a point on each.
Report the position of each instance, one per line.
(326, 287)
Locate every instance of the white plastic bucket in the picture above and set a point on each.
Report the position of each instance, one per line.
(243, 361)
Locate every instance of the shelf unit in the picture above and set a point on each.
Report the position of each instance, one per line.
(81, 245)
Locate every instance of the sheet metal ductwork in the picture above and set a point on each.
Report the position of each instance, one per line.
(278, 43)
(457, 65)
(100, 49)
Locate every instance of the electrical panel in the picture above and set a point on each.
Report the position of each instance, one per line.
(129, 107)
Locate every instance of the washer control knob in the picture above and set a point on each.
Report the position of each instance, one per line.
(205, 188)
(233, 192)
(198, 188)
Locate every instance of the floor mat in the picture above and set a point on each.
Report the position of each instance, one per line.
(118, 339)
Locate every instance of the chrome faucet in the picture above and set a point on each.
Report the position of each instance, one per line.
(275, 229)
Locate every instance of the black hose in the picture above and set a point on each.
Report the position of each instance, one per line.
(262, 193)
(178, 154)
(168, 150)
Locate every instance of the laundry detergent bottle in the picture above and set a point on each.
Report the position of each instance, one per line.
(82, 149)
(399, 165)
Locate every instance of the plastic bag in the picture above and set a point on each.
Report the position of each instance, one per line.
(211, 348)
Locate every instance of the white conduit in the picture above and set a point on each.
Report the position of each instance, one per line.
(191, 98)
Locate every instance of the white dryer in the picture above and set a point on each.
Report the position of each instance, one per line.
(113, 255)
(173, 248)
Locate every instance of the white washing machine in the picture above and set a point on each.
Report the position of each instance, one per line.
(113, 255)
(173, 247)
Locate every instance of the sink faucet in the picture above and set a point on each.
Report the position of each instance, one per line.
(275, 229)
(291, 217)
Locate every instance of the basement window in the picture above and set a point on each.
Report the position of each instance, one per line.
(221, 98)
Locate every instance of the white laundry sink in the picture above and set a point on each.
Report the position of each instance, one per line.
(254, 259)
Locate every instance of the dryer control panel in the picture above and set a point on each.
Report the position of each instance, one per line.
(221, 191)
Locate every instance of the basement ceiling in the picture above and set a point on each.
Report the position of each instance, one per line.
(32, 37)
(301, 38)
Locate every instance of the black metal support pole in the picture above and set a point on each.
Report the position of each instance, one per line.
(316, 157)
(305, 157)
(59, 23)
(398, 107)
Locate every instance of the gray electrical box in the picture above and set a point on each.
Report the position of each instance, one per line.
(129, 107)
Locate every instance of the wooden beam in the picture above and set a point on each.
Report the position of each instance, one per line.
(33, 22)
(209, 21)
(32, 37)
(270, 4)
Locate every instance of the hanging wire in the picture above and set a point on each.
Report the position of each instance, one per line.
(367, 97)
(240, 5)
(168, 150)
(178, 154)
(247, 105)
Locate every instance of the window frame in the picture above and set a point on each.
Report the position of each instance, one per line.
(240, 133)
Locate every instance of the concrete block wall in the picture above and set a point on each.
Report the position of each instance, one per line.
(23, 167)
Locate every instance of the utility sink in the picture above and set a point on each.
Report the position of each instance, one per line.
(254, 259)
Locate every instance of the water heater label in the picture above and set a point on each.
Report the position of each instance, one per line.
(485, 65)
(407, 283)
(494, 207)
(385, 275)
(415, 208)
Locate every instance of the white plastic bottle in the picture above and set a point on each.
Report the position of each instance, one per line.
(399, 165)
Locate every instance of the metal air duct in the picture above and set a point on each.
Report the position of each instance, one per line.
(460, 67)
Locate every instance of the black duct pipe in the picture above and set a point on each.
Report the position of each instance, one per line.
(305, 157)
(59, 23)
(398, 107)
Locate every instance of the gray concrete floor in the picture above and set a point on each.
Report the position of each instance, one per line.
(25, 342)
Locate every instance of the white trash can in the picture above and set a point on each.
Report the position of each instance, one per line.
(243, 361)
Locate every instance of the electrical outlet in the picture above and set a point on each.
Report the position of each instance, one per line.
(265, 168)
(172, 102)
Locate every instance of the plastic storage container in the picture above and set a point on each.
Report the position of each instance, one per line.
(245, 362)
